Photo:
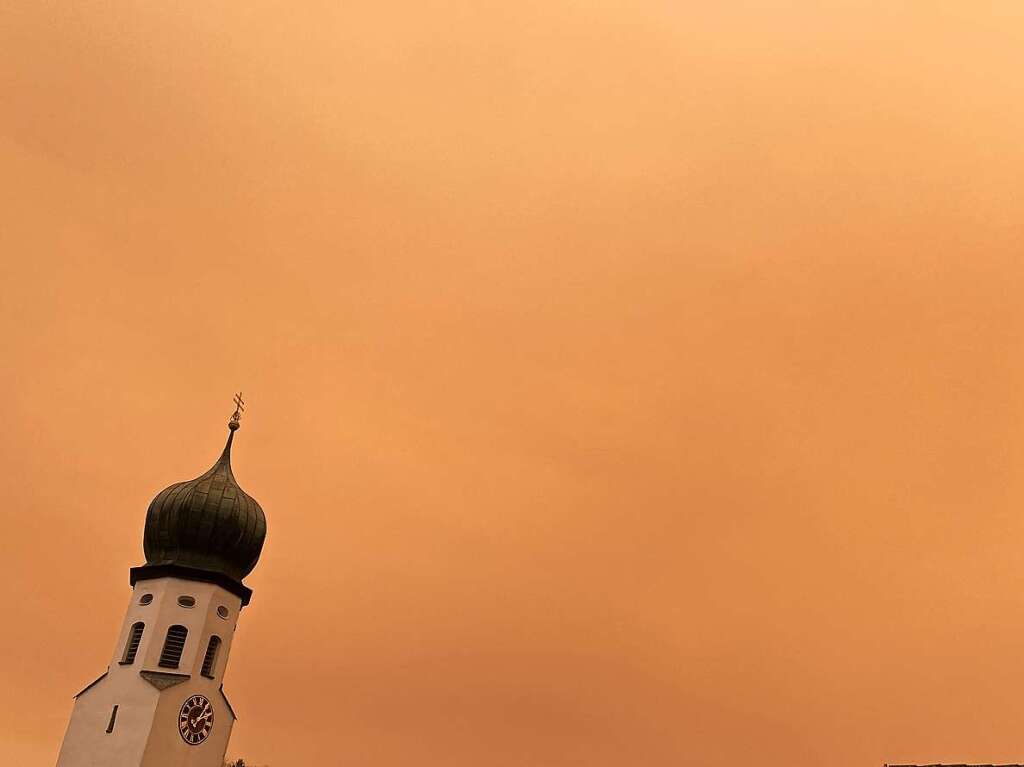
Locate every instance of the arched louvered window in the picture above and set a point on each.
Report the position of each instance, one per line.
(210, 659)
(170, 656)
(131, 647)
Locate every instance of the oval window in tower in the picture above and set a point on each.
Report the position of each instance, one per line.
(186, 601)
(145, 599)
(222, 611)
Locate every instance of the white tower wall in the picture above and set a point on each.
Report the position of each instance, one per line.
(149, 697)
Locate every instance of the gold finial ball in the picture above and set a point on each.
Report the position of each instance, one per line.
(233, 425)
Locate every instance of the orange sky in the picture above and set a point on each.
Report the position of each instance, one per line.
(630, 383)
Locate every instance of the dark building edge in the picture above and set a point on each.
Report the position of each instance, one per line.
(149, 572)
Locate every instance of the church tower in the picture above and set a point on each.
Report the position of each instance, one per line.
(161, 702)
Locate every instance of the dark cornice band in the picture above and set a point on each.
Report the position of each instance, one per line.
(149, 572)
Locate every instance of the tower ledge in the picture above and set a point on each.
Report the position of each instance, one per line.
(150, 572)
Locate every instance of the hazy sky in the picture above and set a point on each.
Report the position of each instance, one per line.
(630, 383)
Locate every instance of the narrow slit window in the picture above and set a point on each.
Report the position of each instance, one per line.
(113, 718)
(210, 659)
(170, 656)
(131, 647)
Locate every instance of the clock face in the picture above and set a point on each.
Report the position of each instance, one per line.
(195, 720)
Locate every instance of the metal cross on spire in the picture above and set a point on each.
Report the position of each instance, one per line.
(239, 409)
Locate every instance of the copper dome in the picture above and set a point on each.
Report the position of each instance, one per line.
(207, 525)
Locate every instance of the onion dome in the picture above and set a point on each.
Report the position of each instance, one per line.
(205, 529)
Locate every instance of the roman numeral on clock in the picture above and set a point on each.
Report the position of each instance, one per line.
(195, 720)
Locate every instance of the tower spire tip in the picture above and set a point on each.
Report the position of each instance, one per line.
(234, 424)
